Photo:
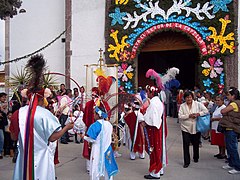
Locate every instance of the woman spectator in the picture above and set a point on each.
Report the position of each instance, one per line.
(188, 113)
(231, 123)
(217, 138)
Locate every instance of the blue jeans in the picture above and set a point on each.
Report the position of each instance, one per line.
(232, 149)
(1, 141)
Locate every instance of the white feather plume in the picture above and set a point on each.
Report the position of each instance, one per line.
(171, 74)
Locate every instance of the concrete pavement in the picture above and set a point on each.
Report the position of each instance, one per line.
(72, 166)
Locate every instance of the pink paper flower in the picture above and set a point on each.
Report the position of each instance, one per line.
(212, 67)
(125, 72)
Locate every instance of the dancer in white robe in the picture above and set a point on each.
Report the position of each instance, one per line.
(102, 161)
(37, 130)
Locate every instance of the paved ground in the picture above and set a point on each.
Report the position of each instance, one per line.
(72, 166)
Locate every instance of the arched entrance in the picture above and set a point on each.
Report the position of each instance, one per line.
(169, 49)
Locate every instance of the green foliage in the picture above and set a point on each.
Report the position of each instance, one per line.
(9, 8)
(22, 77)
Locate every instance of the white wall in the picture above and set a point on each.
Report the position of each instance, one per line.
(88, 23)
(43, 21)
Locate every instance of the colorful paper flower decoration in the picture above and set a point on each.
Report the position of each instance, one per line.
(222, 78)
(211, 90)
(119, 84)
(220, 5)
(128, 85)
(125, 72)
(130, 91)
(212, 67)
(213, 48)
(207, 83)
(220, 88)
(125, 55)
(117, 17)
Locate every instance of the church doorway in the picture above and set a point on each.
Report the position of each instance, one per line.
(166, 50)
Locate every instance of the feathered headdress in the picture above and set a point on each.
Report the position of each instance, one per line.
(36, 67)
(104, 83)
(171, 74)
(153, 74)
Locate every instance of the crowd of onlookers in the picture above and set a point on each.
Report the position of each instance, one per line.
(224, 110)
(185, 105)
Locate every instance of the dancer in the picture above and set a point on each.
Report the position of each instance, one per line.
(135, 140)
(99, 134)
(155, 124)
(37, 128)
(88, 119)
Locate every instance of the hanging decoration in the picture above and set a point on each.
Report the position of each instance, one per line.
(35, 52)
(208, 23)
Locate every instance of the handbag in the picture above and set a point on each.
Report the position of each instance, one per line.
(221, 129)
(203, 123)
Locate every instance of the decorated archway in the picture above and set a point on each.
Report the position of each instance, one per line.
(209, 23)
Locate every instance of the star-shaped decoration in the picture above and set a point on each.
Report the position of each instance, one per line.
(220, 5)
(117, 17)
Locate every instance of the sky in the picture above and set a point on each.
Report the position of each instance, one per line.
(1, 43)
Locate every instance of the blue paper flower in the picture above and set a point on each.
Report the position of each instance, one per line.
(207, 83)
(222, 78)
(128, 85)
(220, 5)
(119, 83)
(130, 92)
(117, 17)
(211, 91)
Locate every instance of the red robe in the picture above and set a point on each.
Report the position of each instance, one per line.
(155, 136)
(88, 119)
(131, 120)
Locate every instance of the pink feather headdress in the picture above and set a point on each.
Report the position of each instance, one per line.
(153, 74)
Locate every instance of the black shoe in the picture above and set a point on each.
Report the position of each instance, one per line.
(216, 155)
(222, 156)
(150, 177)
(64, 142)
(185, 165)
(77, 142)
(69, 140)
(195, 160)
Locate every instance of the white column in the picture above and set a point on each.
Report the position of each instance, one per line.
(7, 52)
(238, 45)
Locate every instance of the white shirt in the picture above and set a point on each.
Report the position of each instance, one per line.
(189, 124)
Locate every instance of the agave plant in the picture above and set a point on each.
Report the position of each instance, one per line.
(50, 80)
(20, 78)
